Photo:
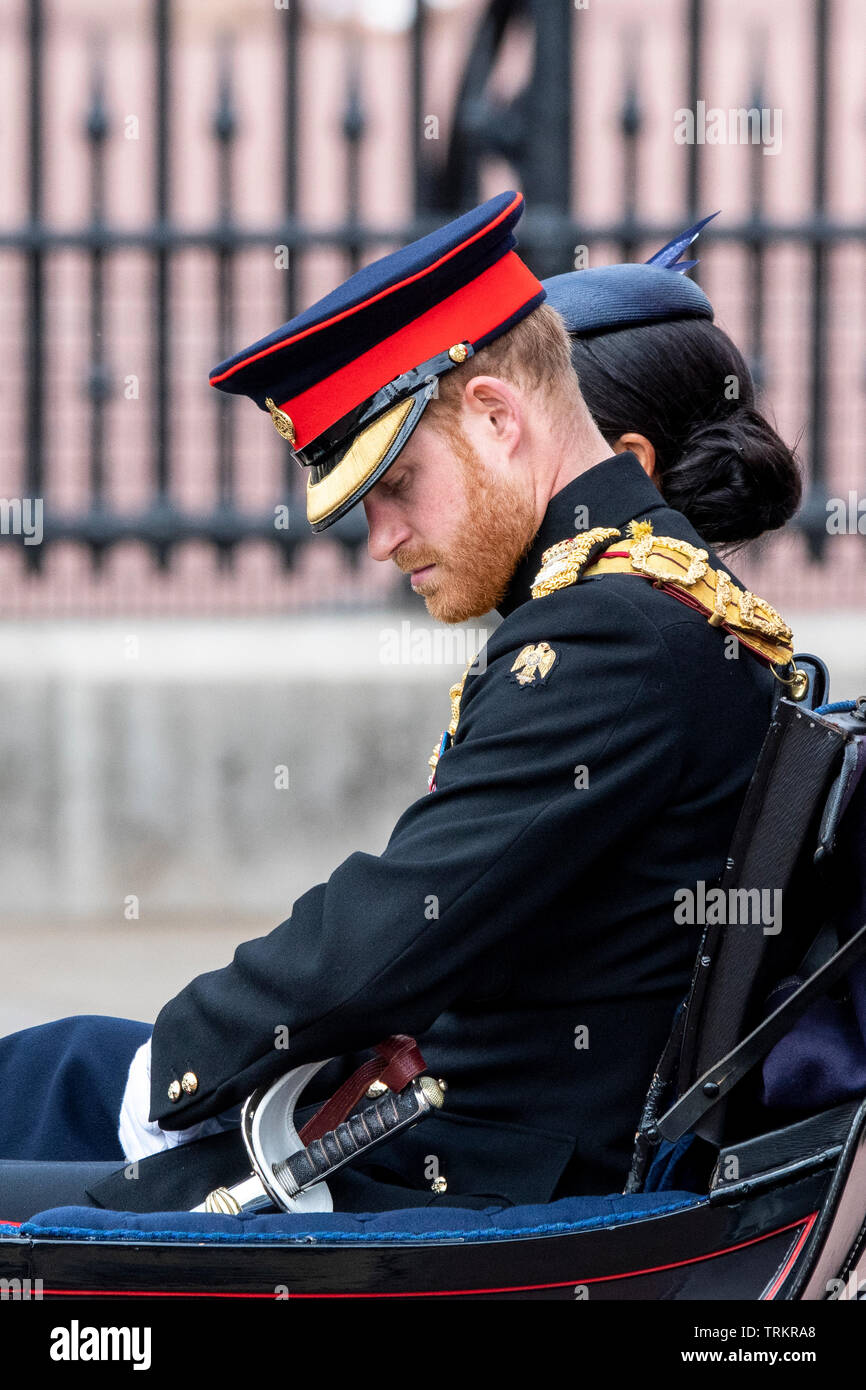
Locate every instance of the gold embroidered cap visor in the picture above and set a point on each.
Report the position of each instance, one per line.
(346, 461)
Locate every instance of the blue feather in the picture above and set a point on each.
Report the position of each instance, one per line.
(666, 258)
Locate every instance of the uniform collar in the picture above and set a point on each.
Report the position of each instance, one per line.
(612, 493)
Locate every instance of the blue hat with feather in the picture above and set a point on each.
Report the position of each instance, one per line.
(608, 297)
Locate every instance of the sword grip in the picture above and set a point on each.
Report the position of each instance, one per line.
(360, 1132)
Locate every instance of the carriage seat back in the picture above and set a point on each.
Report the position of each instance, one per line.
(774, 1026)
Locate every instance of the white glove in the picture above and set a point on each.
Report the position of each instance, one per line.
(138, 1136)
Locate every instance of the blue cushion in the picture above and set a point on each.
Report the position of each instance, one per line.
(332, 1228)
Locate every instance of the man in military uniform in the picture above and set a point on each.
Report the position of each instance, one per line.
(520, 921)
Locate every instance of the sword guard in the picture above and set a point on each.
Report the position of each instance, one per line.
(290, 1168)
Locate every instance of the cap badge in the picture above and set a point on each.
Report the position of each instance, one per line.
(282, 422)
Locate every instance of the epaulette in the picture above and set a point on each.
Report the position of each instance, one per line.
(679, 569)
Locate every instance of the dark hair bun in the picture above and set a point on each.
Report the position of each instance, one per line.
(717, 459)
(734, 478)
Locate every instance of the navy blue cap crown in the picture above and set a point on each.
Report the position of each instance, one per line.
(608, 297)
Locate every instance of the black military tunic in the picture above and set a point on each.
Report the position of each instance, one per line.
(520, 920)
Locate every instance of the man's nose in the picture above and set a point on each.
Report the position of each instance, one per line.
(386, 531)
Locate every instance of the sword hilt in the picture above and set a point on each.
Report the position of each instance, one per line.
(365, 1130)
(393, 1112)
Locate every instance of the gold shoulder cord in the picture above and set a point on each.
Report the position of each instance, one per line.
(456, 695)
(684, 571)
(680, 569)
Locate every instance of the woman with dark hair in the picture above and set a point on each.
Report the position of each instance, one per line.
(664, 382)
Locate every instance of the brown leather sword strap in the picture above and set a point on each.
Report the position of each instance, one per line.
(398, 1062)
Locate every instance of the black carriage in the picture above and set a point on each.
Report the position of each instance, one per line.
(748, 1178)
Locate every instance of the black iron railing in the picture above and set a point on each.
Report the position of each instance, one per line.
(533, 133)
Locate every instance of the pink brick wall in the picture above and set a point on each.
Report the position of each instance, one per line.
(608, 34)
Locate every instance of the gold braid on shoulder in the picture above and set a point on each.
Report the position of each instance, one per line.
(456, 695)
(683, 571)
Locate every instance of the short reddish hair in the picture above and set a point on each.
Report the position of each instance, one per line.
(535, 354)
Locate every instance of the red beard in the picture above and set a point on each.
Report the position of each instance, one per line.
(496, 529)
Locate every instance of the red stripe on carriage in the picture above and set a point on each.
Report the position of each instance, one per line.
(774, 1287)
(805, 1221)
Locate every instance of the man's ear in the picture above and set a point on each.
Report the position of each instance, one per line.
(638, 444)
(494, 408)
